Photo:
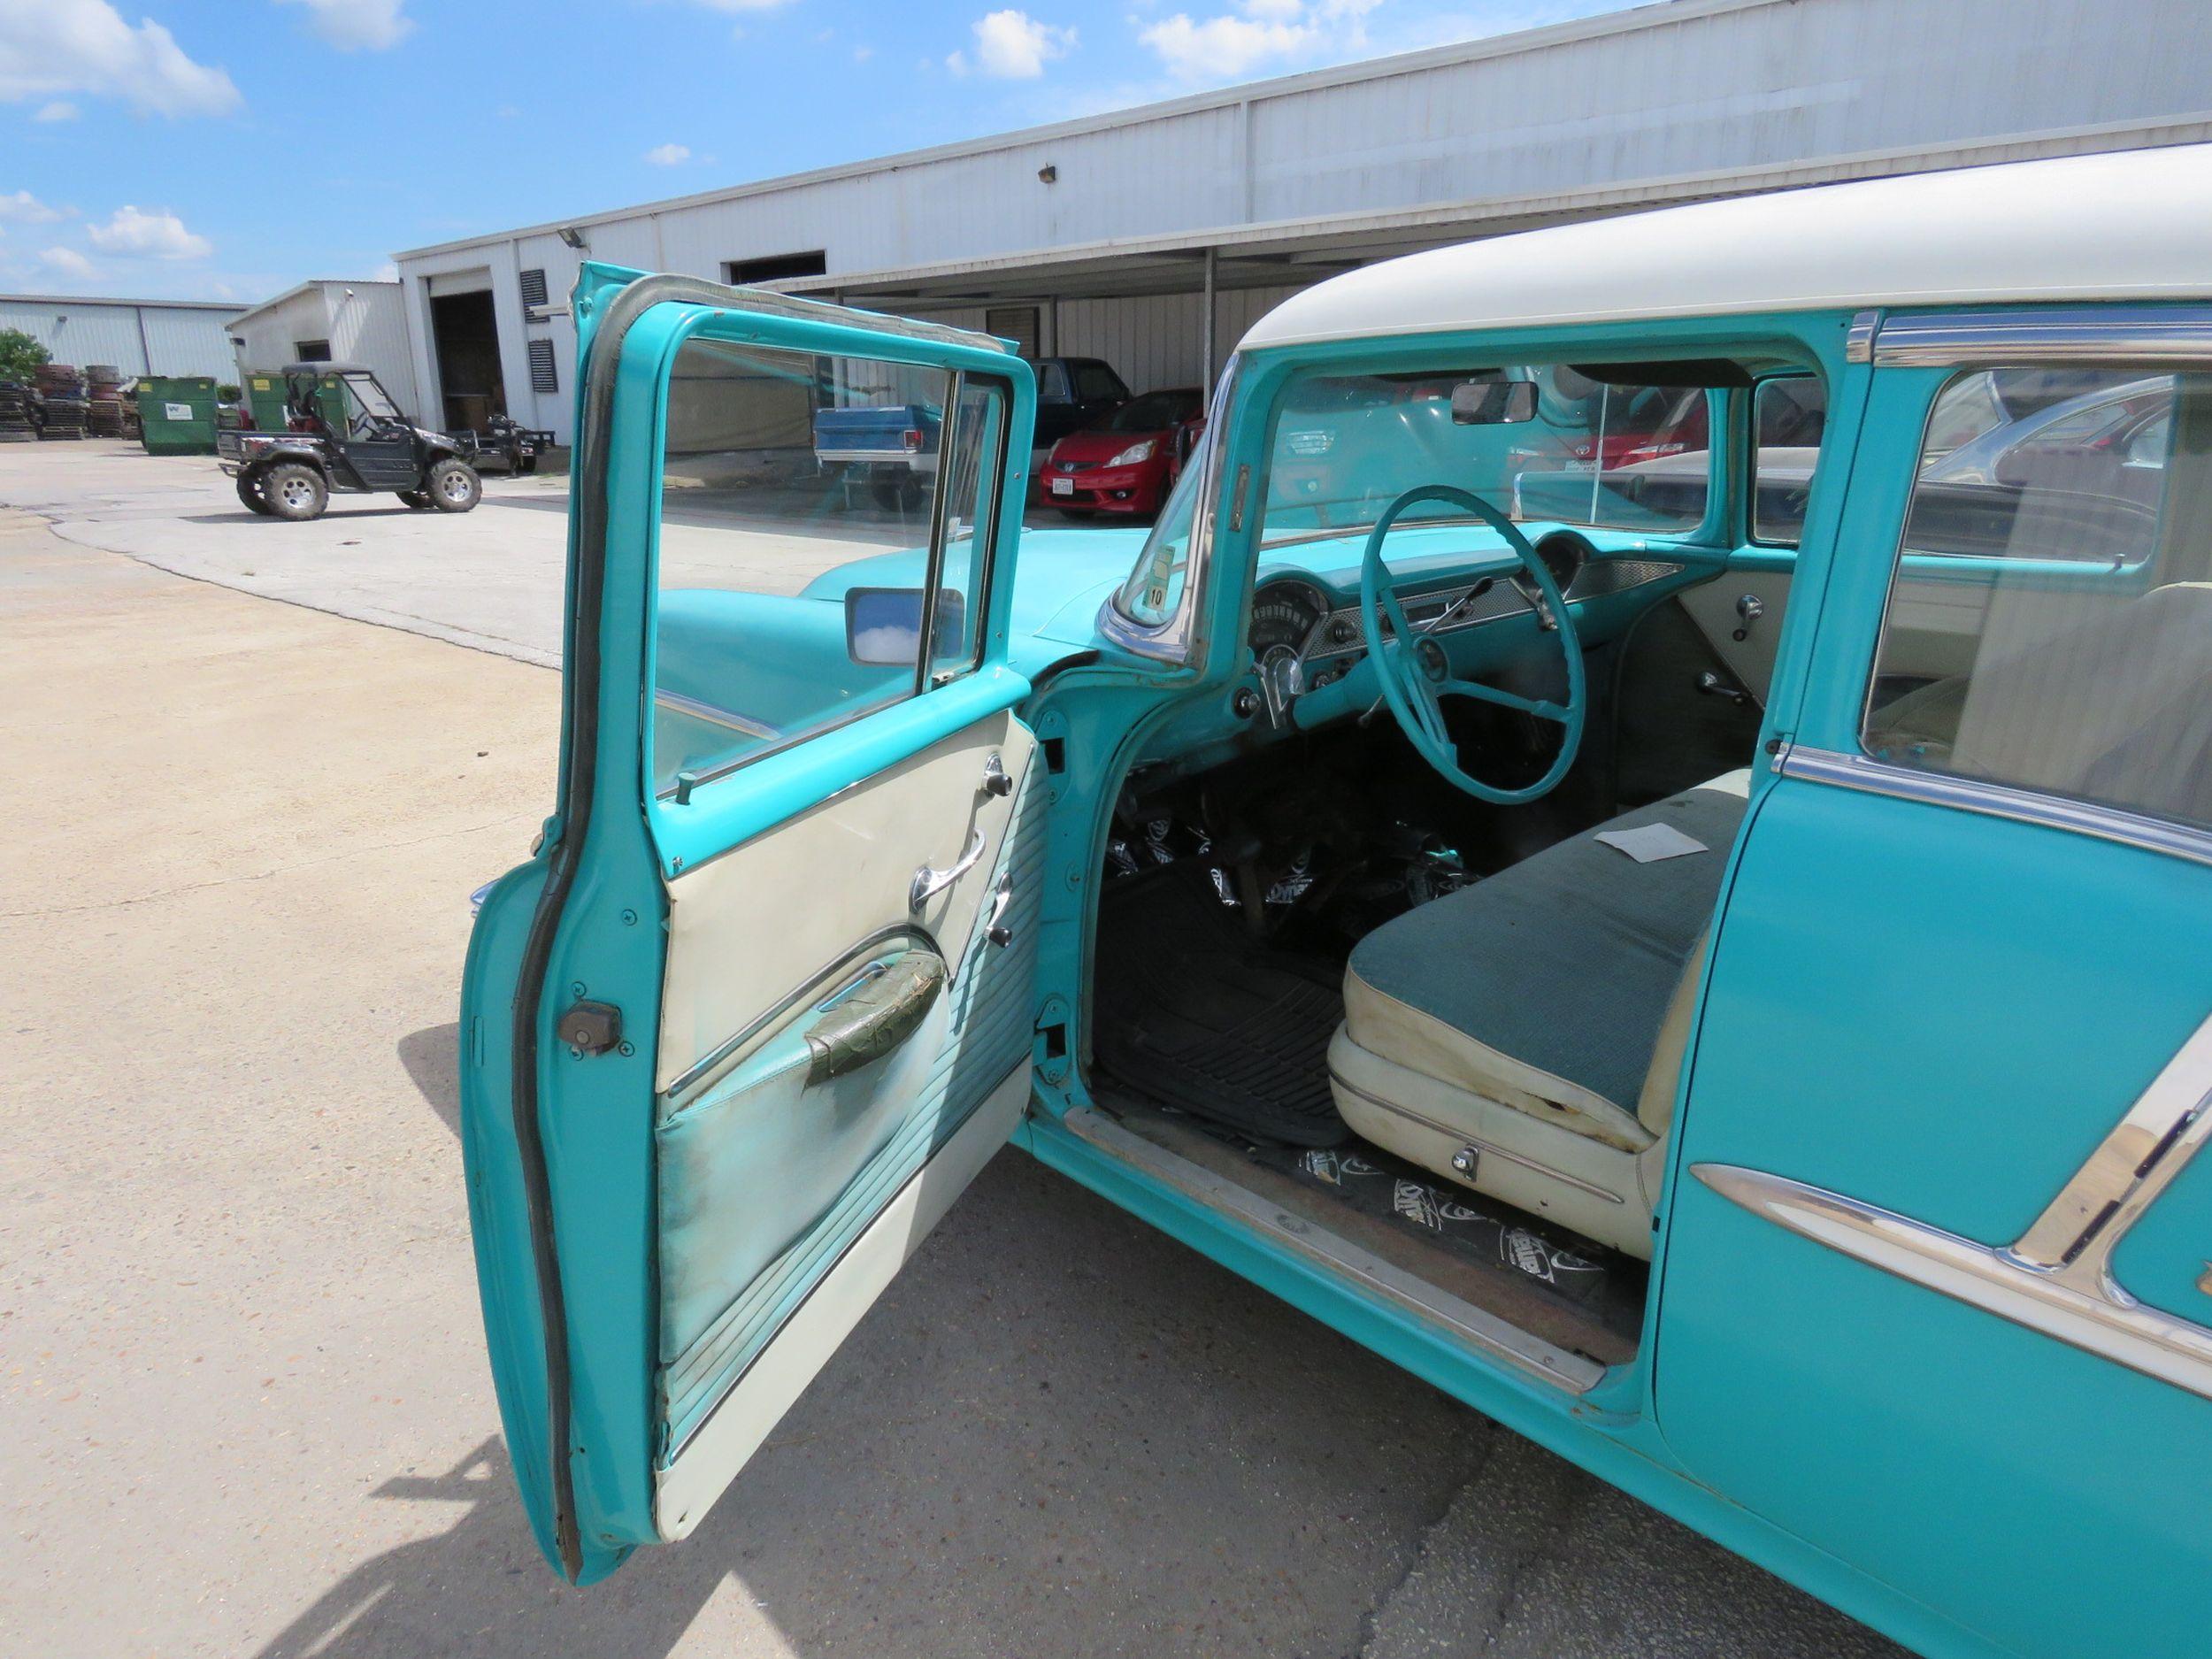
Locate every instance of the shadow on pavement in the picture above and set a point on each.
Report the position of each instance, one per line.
(433, 1058)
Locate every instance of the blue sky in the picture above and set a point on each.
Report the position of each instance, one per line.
(227, 149)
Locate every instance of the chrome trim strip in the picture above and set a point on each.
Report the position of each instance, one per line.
(2072, 1241)
(2104, 333)
(714, 714)
(2107, 1323)
(1869, 776)
(1171, 641)
(1530, 1355)
(1858, 340)
(1486, 1147)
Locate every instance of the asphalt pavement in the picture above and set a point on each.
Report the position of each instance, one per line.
(243, 1402)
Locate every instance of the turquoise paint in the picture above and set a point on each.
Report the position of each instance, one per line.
(1895, 1006)
(1413, 699)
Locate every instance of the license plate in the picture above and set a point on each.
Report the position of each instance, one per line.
(1064, 486)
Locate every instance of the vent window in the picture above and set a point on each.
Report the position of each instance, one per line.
(534, 288)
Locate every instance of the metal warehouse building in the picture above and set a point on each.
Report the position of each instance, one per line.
(138, 336)
(324, 321)
(1152, 237)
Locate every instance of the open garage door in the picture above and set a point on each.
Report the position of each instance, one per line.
(464, 334)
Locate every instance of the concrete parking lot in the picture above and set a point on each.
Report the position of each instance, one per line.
(243, 1402)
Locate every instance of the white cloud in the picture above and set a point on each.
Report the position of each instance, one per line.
(1013, 46)
(23, 208)
(388, 271)
(59, 110)
(668, 155)
(69, 261)
(1256, 34)
(137, 235)
(352, 25)
(51, 46)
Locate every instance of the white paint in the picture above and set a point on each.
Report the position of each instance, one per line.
(2135, 225)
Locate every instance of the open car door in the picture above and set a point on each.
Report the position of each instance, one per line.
(759, 1006)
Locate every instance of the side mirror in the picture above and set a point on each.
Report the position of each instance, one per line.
(1494, 402)
(883, 626)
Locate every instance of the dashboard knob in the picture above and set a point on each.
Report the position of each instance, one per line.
(1340, 631)
(1245, 703)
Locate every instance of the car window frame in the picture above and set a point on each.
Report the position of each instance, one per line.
(681, 786)
(1750, 448)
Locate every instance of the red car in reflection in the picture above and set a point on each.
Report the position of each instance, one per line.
(1127, 462)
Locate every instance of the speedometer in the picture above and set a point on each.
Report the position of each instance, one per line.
(1285, 613)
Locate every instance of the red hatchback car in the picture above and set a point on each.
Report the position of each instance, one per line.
(1127, 462)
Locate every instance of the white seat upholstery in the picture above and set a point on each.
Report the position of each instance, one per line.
(1525, 1036)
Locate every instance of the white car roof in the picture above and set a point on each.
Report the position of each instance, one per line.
(2133, 224)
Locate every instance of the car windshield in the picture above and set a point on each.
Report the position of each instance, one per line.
(370, 396)
(1579, 450)
(1154, 412)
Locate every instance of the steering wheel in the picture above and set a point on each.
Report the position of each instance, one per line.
(1417, 675)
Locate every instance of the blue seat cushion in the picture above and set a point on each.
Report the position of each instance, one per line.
(1567, 960)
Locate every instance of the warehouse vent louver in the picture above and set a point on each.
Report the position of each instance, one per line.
(534, 288)
(543, 378)
(1016, 323)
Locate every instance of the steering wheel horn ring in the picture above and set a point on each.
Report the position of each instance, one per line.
(1415, 674)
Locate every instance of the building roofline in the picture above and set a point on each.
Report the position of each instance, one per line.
(1651, 15)
(298, 288)
(101, 299)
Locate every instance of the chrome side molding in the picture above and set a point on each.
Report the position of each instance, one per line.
(2056, 1278)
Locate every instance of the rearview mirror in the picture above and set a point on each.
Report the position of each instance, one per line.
(883, 626)
(1494, 402)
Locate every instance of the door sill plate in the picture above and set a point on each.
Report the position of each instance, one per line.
(1496, 1339)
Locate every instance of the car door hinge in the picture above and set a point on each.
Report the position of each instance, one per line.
(590, 1028)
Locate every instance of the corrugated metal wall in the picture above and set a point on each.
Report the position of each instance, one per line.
(182, 339)
(1663, 103)
(272, 335)
(369, 325)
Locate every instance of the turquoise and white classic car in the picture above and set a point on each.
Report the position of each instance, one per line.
(1585, 850)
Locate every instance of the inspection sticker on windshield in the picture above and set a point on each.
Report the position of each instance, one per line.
(1649, 843)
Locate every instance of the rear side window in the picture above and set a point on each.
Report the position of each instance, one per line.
(1095, 383)
(2049, 622)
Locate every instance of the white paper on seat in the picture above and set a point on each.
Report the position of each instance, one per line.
(1649, 843)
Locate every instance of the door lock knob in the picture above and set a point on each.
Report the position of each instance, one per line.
(995, 782)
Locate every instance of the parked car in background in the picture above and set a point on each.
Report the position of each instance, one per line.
(1073, 392)
(1127, 462)
(891, 448)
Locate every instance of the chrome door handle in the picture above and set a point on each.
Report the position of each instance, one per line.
(929, 883)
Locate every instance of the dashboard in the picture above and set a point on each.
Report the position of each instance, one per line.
(1304, 637)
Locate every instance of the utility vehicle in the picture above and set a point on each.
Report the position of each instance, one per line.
(346, 434)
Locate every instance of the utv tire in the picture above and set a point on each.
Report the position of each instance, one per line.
(294, 490)
(420, 500)
(454, 486)
(249, 494)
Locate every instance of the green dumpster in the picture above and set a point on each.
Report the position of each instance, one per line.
(263, 392)
(176, 414)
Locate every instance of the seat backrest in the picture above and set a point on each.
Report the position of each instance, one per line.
(1654, 1106)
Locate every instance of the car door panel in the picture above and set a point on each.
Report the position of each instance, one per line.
(1716, 607)
(725, 1063)
(1932, 997)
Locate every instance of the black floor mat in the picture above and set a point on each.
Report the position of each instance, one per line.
(1193, 1013)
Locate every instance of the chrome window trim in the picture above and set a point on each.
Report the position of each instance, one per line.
(1996, 800)
(1170, 642)
(1858, 340)
(2134, 333)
